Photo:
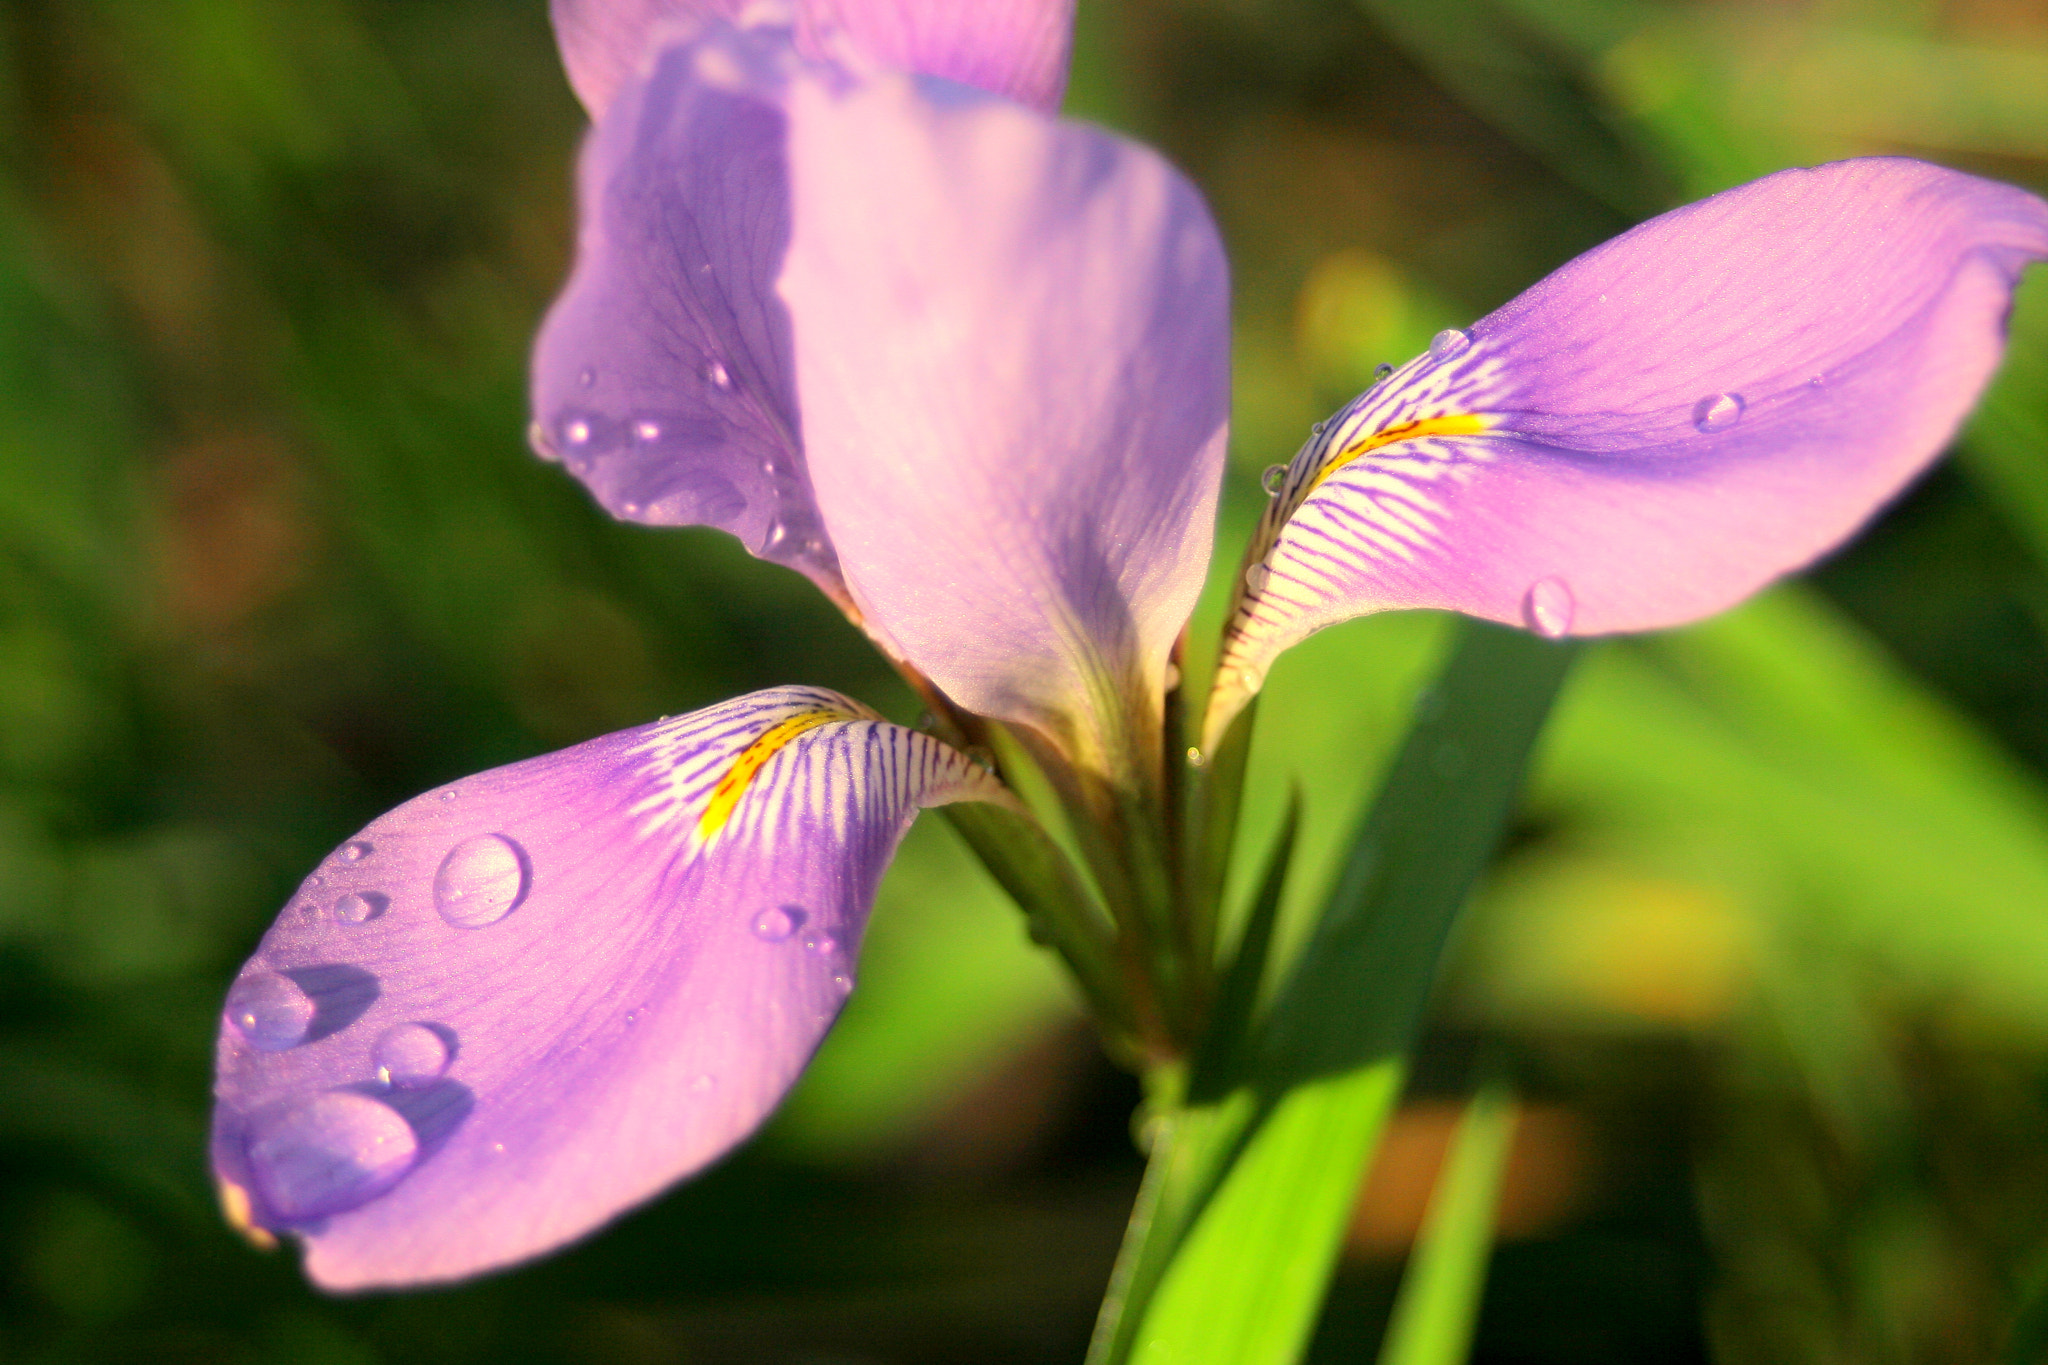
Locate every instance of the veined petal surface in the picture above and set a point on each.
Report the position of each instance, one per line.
(513, 1007)
(1012, 351)
(662, 377)
(1014, 48)
(1660, 427)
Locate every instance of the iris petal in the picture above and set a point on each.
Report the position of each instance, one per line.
(1014, 48)
(512, 1008)
(1012, 347)
(1660, 427)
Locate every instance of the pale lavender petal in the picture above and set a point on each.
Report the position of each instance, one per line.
(514, 1007)
(1012, 352)
(1662, 426)
(662, 377)
(1015, 48)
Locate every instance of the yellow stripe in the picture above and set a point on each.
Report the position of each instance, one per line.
(1457, 424)
(733, 785)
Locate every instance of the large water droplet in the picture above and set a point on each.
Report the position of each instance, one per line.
(355, 850)
(1718, 412)
(481, 881)
(270, 1011)
(1548, 607)
(1271, 479)
(1448, 343)
(778, 922)
(408, 1056)
(328, 1153)
(358, 906)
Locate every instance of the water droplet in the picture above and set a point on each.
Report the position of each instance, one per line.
(586, 377)
(450, 794)
(824, 945)
(1250, 679)
(842, 983)
(1449, 343)
(777, 534)
(1380, 372)
(315, 880)
(358, 906)
(716, 375)
(1270, 480)
(481, 881)
(1256, 577)
(704, 1085)
(1548, 608)
(1319, 428)
(355, 850)
(778, 922)
(409, 1056)
(1818, 380)
(631, 509)
(1718, 412)
(328, 1154)
(270, 1011)
(1172, 675)
(646, 429)
(577, 432)
(631, 1018)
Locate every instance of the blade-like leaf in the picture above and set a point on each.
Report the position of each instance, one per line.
(1240, 1221)
(1439, 1301)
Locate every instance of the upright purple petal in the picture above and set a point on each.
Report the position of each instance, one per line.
(1015, 48)
(663, 376)
(1012, 354)
(514, 1007)
(1660, 427)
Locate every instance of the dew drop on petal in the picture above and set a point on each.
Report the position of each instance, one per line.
(1172, 675)
(777, 533)
(358, 906)
(824, 945)
(1717, 412)
(328, 1153)
(1380, 372)
(646, 430)
(408, 1056)
(1319, 428)
(1448, 343)
(355, 850)
(1256, 577)
(481, 881)
(271, 1011)
(717, 376)
(450, 794)
(1548, 608)
(1270, 480)
(778, 922)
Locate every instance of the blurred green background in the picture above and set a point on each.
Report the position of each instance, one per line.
(1767, 956)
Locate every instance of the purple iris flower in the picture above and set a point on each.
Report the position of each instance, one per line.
(845, 289)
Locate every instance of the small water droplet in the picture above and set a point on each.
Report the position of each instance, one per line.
(1818, 380)
(316, 880)
(328, 1153)
(631, 1018)
(1319, 428)
(1250, 679)
(409, 1056)
(704, 1085)
(778, 922)
(355, 850)
(586, 377)
(1548, 608)
(1718, 412)
(481, 881)
(1449, 343)
(1270, 480)
(1256, 577)
(577, 432)
(270, 1011)
(631, 509)
(646, 429)
(824, 945)
(777, 533)
(842, 983)
(358, 906)
(1172, 675)
(1380, 372)
(716, 375)
(450, 794)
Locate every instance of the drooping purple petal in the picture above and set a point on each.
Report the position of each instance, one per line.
(1012, 351)
(1014, 48)
(1660, 427)
(512, 1008)
(662, 377)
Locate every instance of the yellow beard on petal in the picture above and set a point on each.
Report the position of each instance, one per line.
(726, 795)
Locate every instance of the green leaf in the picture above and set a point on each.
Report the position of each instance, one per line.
(1439, 1301)
(1245, 1204)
